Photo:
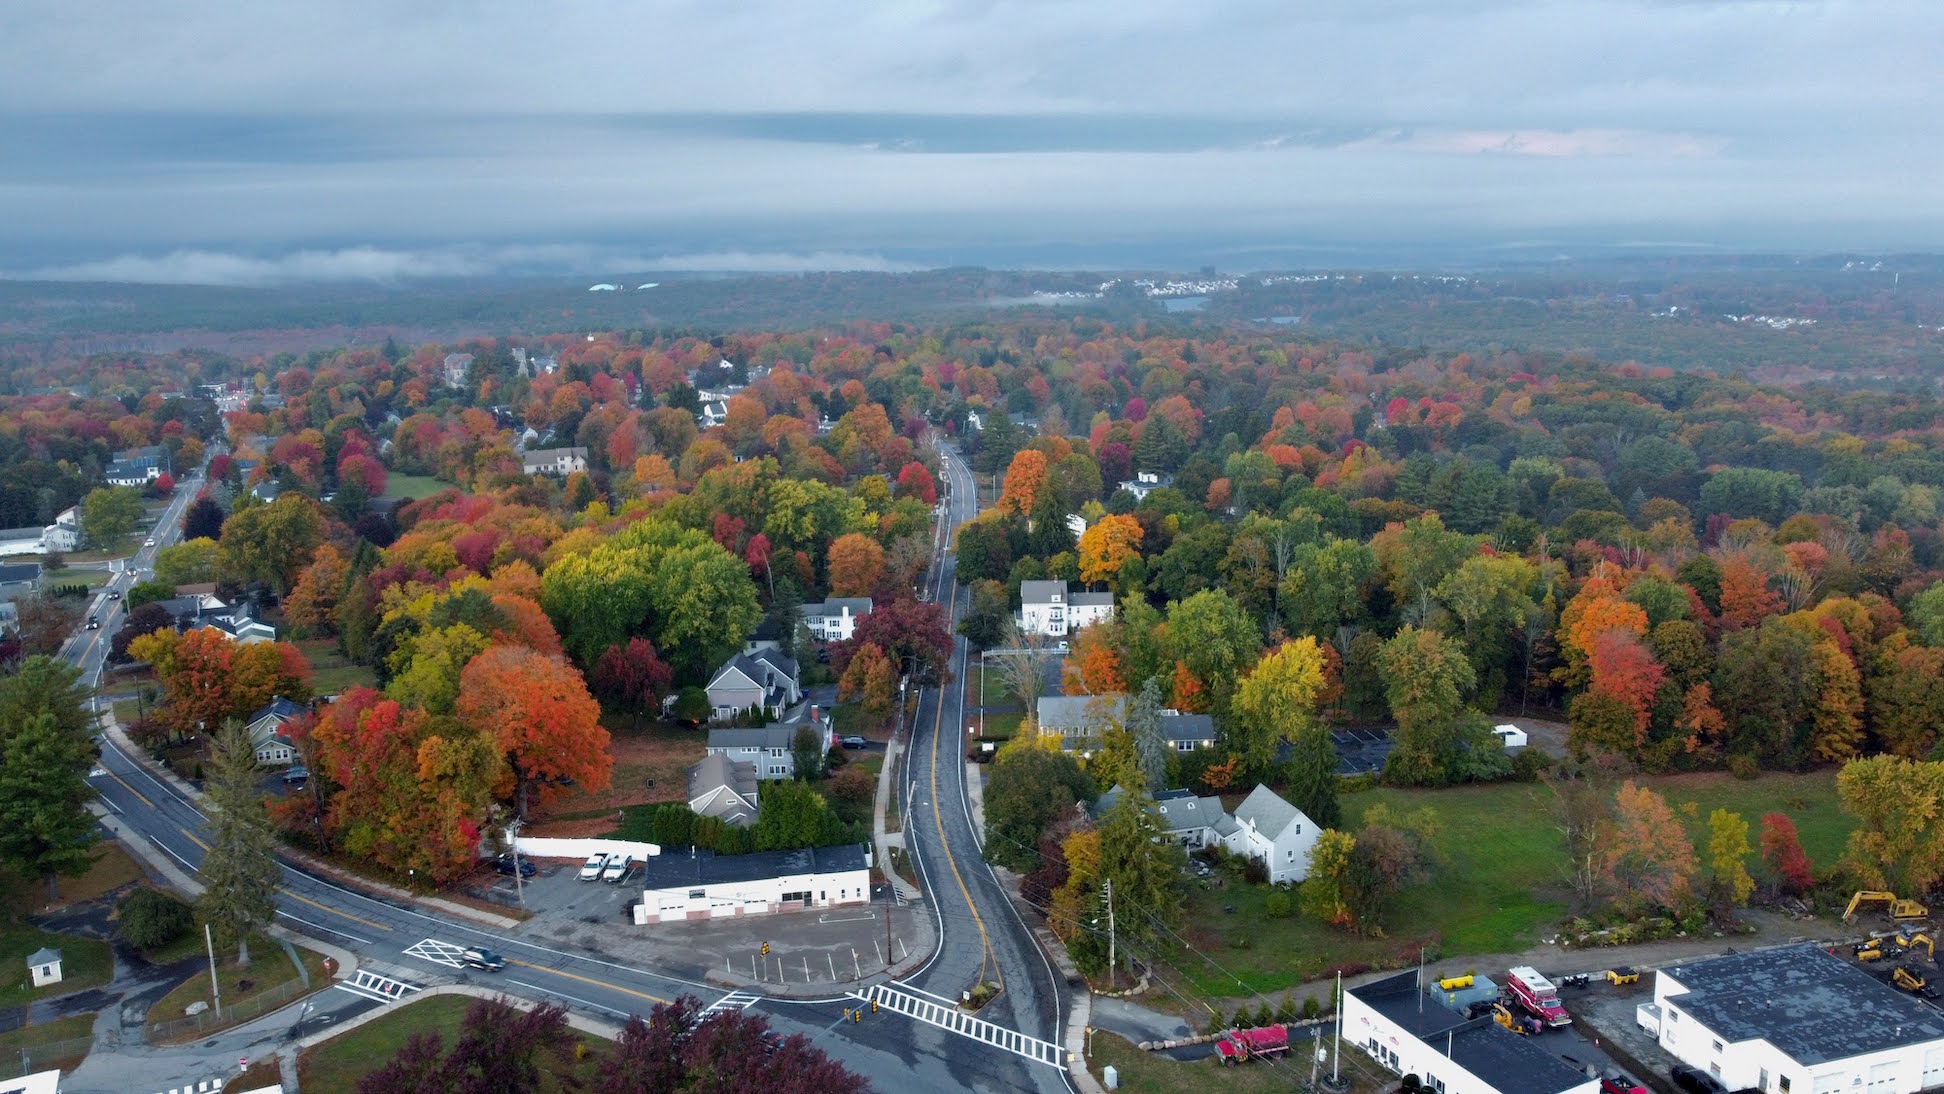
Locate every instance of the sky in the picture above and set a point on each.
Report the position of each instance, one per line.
(247, 142)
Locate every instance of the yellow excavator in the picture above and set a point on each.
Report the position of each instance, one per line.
(1901, 911)
(1521, 1024)
(1915, 940)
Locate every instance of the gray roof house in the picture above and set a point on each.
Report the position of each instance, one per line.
(1187, 732)
(765, 678)
(1274, 832)
(1078, 720)
(267, 735)
(766, 749)
(721, 787)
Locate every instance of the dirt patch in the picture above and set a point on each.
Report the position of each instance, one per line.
(650, 765)
(581, 828)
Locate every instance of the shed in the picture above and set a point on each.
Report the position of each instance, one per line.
(1512, 736)
(45, 965)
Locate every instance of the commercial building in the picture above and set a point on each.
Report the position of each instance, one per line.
(705, 885)
(1410, 1032)
(1797, 1020)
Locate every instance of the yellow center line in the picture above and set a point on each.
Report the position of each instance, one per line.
(333, 911)
(587, 980)
(130, 789)
(192, 838)
(938, 817)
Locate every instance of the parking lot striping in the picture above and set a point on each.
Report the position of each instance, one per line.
(586, 980)
(437, 952)
(334, 911)
(569, 998)
(826, 918)
(953, 1020)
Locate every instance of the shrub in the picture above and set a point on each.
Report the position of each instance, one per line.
(1255, 871)
(1743, 766)
(1278, 905)
(1529, 764)
(149, 919)
(1311, 1008)
(1264, 1015)
(854, 785)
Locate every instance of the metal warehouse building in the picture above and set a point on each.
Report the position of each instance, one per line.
(1797, 1020)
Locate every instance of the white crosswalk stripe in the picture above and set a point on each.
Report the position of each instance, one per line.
(371, 985)
(735, 1000)
(936, 1012)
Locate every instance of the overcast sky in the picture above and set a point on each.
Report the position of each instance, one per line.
(249, 141)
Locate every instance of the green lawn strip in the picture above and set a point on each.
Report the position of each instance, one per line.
(999, 727)
(20, 1046)
(1499, 885)
(1148, 1073)
(412, 486)
(269, 969)
(333, 673)
(85, 963)
(339, 1063)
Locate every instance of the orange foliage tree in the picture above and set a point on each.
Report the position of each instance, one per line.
(1025, 480)
(1107, 545)
(856, 565)
(537, 710)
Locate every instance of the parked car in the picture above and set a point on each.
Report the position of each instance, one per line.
(1621, 1084)
(504, 864)
(856, 742)
(591, 870)
(483, 959)
(617, 868)
(1695, 1081)
(295, 773)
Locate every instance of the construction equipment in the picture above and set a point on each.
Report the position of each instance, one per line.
(1908, 979)
(1625, 974)
(1913, 939)
(1873, 950)
(1901, 911)
(1522, 1024)
(1238, 1045)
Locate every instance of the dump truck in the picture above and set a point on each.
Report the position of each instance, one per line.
(1537, 995)
(1237, 1045)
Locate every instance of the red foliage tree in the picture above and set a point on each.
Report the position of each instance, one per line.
(915, 635)
(1782, 851)
(916, 482)
(632, 676)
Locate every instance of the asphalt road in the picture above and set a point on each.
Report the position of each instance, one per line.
(983, 938)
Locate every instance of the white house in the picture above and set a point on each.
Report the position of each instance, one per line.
(554, 461)
(1409, 1032)
(1146, 482)
(1048, 608)
(705, 885)
(65, 533)
(1275, 833)
(720, 787)
(768, 749)
(765, 678)
(44, 965)
(273, 749)
(457, 368)
(835, 620)
(1799, 1019)
(1196, 822)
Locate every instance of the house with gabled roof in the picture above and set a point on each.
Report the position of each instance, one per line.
(769, 749)
(835, 620)
(1275, 833)
(763, 679)
(273, 748)
(721, 787)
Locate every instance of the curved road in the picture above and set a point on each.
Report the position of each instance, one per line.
(982, 936)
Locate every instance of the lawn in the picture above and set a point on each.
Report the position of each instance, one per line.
(999, 727)
(112, 869)
(1148, 1073)
(1500, 883)
(85, 963)
(22, 1046)
(334, 673)
(269, 969)
(339, 1063)
(412, 486)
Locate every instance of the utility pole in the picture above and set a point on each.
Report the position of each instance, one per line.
(215, 989)
(1107, 887)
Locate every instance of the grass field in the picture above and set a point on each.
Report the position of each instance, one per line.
(412, 486)
(85, 963)
(1501, 881)
(21, 1046)
(270, 968)
(334, 673)
(339, 1063)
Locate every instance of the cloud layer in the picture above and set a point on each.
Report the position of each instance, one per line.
(371, 140)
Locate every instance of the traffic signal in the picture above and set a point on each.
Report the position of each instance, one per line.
(765, 949)
(857, 1015)
(873, 1006)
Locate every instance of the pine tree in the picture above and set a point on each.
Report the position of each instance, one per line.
(1312, 776)
(45, 827)
(240, 872)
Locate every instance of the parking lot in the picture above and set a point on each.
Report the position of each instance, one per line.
(829, 947)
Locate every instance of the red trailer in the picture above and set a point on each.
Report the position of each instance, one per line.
(1238, 1045)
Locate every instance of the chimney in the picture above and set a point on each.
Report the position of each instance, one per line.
(813, 713)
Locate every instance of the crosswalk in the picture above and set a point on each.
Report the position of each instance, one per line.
(946, 1016)
(371, 985)
(735, 1000)
(205, 1086)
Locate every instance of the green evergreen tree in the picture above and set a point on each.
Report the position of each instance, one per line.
(1311, 776)
(240, 872)
(46, 830)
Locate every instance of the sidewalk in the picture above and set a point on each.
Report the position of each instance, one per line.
(881, 840)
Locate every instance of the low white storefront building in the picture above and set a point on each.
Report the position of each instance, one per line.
(1409, 1032)
(705, 885)
(1799, 1020)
